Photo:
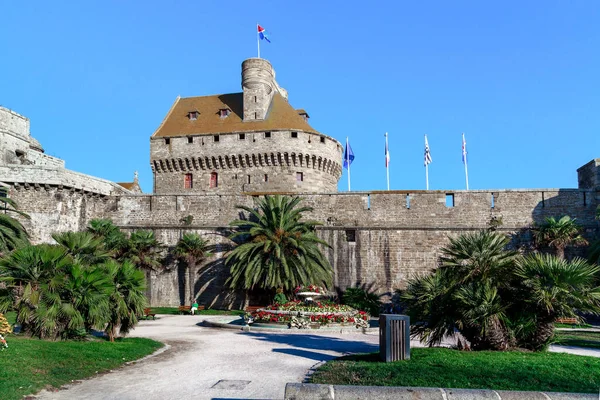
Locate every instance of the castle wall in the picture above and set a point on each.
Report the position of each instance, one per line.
(241, 164)
(55, 209)
(374, 236)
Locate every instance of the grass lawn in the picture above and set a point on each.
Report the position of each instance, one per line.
(29, 365)
(175, 311)
(580, 339)
(436, 367)
(573, 326)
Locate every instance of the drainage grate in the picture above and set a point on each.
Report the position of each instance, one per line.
(230, 385)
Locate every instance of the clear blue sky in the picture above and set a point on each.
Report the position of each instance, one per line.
(520, 78)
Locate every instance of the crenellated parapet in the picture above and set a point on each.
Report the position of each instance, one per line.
(239, 142)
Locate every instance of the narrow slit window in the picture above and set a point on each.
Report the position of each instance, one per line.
(449, 200)
(188, 181)
(368, 202)
(322, 139)
(214, 180)
(299, 177)
(493, 201)
(248, 179)
(351, 235)
(190, 139)
(408, 201)
(294, 134)
(543, 200)
(584, 199)
(266, 178)
(216, 138)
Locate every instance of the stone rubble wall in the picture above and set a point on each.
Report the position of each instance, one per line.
(279, 157)
(374, 237)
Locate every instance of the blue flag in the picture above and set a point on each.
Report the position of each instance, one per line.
(348, 155)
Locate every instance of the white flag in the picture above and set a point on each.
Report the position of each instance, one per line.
(427, 152)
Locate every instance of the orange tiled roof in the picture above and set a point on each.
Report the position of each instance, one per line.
(281, 116)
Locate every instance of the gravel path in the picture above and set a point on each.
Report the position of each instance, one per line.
(210, 363)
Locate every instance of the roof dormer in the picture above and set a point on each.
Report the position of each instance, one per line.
(301, 112)
(193, 115)
(224, 112)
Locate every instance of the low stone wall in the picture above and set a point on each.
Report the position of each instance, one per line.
(306, 391)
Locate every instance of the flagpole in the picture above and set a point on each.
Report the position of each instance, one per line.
(465, 159)
(426, 165)
(387, 162)
(257, 40)
(348, 162)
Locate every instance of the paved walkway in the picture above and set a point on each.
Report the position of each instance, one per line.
(210, 363)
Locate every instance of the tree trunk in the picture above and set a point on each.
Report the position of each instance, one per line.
(543, 334)
(149, 286)
(191, 279)
(560, 252)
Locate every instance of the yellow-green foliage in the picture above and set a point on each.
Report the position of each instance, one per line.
(4, 325)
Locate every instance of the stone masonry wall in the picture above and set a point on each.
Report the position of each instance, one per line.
(375, 237)
(242, 164)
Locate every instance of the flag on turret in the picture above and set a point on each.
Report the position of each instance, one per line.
(263, 34)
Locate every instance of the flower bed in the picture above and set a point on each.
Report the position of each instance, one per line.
(317, 306)
(297, 314)
(310, 288)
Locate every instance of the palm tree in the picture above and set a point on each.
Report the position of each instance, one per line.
(127, 299)
(143, 251)
(466, 293)
(12, 233)
(192, 249)
(54, 296)
(559, 233)
(83, 246)
(557, 288)
(276, 249)
(114, 240)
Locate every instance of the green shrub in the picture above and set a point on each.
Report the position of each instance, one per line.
(363, 298)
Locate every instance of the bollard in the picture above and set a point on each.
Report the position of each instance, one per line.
(394, 337)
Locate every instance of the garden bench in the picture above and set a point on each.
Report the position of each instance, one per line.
(184, 309)
(251, 309)
(188, 309)
(148, 313)
(572, 321)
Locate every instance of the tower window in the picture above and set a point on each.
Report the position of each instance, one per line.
(248, 179)
(299, 177)
(167, 141)
(216, 138)
(266, 178)
(294, 134)
(351, 235)
(214, 180)
(193, 115)
(449, 200)
(190, 139)
(322, 139)
(242, 136)
(188, 181)
(267, 135)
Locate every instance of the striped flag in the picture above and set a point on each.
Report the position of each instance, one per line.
(464, 149)
(427, 152)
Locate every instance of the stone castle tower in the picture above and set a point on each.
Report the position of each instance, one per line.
(253, 141)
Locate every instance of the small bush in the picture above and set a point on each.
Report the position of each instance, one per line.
(363, 298)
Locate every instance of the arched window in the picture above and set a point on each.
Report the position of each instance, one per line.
(188, 181)
(214, 180)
